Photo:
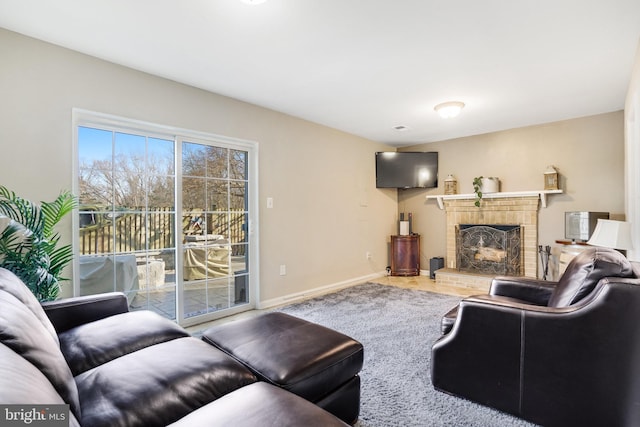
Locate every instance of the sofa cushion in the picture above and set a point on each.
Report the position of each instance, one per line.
(21, 383)
(92, 344)
(448, 320)
(11, 284)
(24, 333)
(585, 271)
(158, 385)
(263, 405)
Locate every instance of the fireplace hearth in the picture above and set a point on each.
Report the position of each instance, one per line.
(489, 248)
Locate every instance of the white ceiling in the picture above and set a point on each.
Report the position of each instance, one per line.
(365, 66)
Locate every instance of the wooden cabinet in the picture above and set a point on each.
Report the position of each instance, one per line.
(405, 255)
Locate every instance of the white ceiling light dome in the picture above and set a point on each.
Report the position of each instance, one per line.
(448, 110)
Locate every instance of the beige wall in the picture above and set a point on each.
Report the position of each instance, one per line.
(588, 153)
(327, 213)
(632, 157)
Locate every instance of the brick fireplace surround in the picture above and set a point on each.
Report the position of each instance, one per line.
(499, 208)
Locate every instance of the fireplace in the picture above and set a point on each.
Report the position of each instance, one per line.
(489, 248)
(521, 211)
(511, 208)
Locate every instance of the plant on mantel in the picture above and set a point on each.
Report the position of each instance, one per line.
(28, 243)
(477, 189)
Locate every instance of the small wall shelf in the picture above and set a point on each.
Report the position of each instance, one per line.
(539, 193)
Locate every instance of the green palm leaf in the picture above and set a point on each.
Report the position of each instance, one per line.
(29, 244)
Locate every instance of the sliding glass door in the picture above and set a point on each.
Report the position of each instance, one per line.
(164, 217)
(215, 253)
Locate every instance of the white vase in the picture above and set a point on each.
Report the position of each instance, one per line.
(490, 184)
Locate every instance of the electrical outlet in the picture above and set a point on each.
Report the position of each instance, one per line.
(368, 255)
(283, 270)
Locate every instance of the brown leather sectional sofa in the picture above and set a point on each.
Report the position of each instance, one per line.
(119, 368)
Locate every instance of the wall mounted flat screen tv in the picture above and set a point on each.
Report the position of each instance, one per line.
(408, 169)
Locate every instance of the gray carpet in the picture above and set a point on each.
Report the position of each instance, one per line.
(397, 328)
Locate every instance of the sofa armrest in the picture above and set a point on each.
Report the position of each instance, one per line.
(483, 347)
(480, 358)
(533, 291)
(68, 313)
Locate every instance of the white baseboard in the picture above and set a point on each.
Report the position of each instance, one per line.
(310, 293)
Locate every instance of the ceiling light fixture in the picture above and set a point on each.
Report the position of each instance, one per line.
(448, 110)
(253, 1)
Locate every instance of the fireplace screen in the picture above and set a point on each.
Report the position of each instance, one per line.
(489, 249)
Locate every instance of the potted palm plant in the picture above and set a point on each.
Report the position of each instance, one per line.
(29, 245)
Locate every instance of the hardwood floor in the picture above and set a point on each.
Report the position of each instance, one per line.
(423, 283)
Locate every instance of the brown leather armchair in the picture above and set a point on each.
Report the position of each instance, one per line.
(557, 354)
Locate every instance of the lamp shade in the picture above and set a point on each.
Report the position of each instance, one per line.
(612, 234)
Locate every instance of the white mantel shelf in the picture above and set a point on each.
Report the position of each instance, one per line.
(536, 193)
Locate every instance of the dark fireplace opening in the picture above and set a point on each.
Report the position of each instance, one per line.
(489, 249)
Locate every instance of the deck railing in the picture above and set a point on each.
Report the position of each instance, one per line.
(132, 230)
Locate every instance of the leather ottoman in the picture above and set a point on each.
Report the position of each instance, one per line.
(310, 360)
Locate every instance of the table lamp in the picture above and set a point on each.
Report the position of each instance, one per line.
(612, 234)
